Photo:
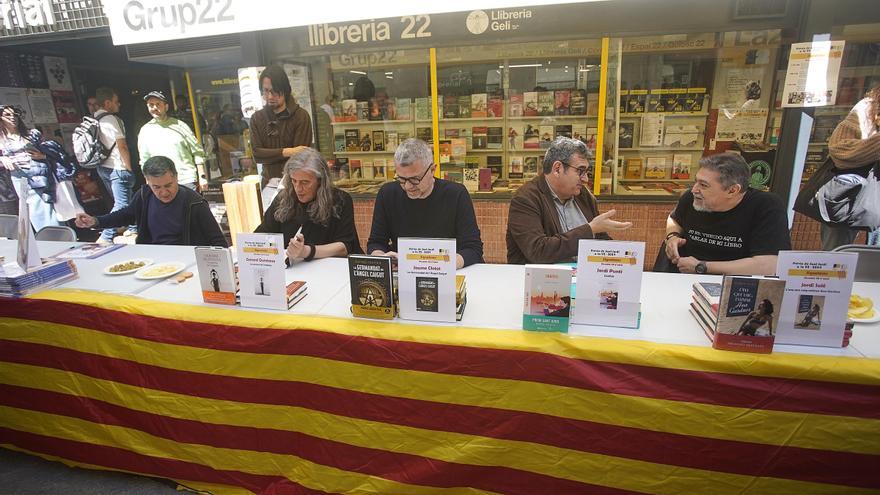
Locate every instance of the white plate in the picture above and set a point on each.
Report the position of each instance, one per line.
(147, 262)
(873, 319)
(167, 270)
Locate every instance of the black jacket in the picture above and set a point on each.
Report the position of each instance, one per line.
(200, 228)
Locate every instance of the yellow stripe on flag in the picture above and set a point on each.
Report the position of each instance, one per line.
(683, 357)
(758, 426)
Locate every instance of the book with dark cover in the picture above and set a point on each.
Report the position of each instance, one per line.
(495, 139)
(352, 140)
(656, 101)
(479, 138)
(464, 106)
(340, 168)
(495, 106)
(748, 314)
(425, 134)
(709, 292)
(625, 136)
(578, 103)
(563, 102)
(450, 107)
(695, 99)
(624, 99)
(638, 100)
(495, 164)
(426, 294)
(371, 283)
(378, 140)
(546, 103)
(563, 130)
(366, 142)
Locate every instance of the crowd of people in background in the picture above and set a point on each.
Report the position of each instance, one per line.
(721, 225)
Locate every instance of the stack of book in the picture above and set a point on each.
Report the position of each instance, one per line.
(296, 292)
(15, 282)
(704, 306)
(460, 296)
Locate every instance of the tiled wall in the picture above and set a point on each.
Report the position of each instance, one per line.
(649, 225)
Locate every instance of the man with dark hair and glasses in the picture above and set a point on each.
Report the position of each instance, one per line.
(280, 128)
(418, 205)
(552, 212)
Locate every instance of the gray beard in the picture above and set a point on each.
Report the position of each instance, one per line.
(700, 208)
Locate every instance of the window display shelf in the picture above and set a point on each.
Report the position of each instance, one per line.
(656, 180)
(665, 114)
(363, 153)
(661, 148)
(372, 122)
(556, 117)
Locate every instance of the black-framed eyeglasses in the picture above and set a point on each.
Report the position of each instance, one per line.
(581, 171)
(414, 181)
(272, 92)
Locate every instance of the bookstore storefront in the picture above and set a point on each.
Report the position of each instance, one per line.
(650, 88)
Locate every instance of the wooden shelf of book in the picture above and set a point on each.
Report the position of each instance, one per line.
(661, 148)
(372, 122)
(363, 153)
(665, 114)
(556, 117)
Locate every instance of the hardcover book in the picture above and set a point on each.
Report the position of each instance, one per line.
(450, 107)
(404, 109)
(530, 165)
(371, 283)
(495, 108)
(379, 172)
(479, 138)
(592, 104)
(340, 168)
(378, 140)
(445, 150)
(633, 169)
(392, 141)
(546, 103)
(355, 168)
(216, 274)
(339, 142)
(367, 170)
(464, 106)
(546, 134)
(459, 147)
(479, 105)
(625, 136)
(563, 102)
(427, 294)
(578, 104)
(748, 314)
(495, 140)
(710, 294)
(495, 163)
(389, 109)
(349, 110)
(547, 301)
(563, 130)
(375, 110)
(471, 179)
(516, 105)
(366, 142)
(426, 134)
(352, 140)
(681, 166)
(485, 180)
(531, 137)
(655, 167)
(530, 104)
(363, 110)
(516, 167)
(423, 109)
(656, 101)
(637, 101)
(515, 137)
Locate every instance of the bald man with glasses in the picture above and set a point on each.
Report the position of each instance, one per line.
(418, 205)
(552, 212)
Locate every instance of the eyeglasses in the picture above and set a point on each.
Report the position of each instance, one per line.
(414, 181)
(272, 92)
(581, 171)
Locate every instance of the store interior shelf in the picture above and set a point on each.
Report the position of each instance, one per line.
(465, 119)
(372, 122)
(498, 150)
(655, 180)
(556, 117)
(364, 153)
(665, 114)
(661, 148)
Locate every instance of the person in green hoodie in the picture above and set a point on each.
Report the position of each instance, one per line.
(166, 136)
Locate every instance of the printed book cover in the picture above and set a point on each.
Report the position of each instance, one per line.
(748, 314)
(547, 302)
(372, 287)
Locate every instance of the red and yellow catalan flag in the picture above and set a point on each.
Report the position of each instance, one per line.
(244, 402)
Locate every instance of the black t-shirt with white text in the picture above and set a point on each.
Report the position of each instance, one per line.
(756, 226)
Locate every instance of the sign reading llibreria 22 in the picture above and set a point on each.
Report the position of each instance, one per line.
(143, 21)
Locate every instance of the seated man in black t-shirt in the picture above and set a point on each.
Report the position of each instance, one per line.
(418, 205)
(164, 212)
(722, 226)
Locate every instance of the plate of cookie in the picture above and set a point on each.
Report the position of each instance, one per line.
(127, 266)
(160, 270)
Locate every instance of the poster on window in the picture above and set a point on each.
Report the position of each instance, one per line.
(42, 106)
(813, 70)
(57, 73)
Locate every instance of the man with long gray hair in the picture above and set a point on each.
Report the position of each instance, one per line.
(552, 212)
(317, 219)
(724, 227)
(418, 205)
(164, 212)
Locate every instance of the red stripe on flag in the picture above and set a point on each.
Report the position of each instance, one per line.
(125, 460)
(745, 391)
(746, 458)
(403, 468)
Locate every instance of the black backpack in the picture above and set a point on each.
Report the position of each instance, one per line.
(87, 146)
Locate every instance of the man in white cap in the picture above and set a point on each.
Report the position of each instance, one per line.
(169, 137)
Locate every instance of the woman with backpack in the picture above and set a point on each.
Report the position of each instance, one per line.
(29, 160)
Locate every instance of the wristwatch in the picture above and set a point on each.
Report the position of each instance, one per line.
(700, 268)
(673, 234)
